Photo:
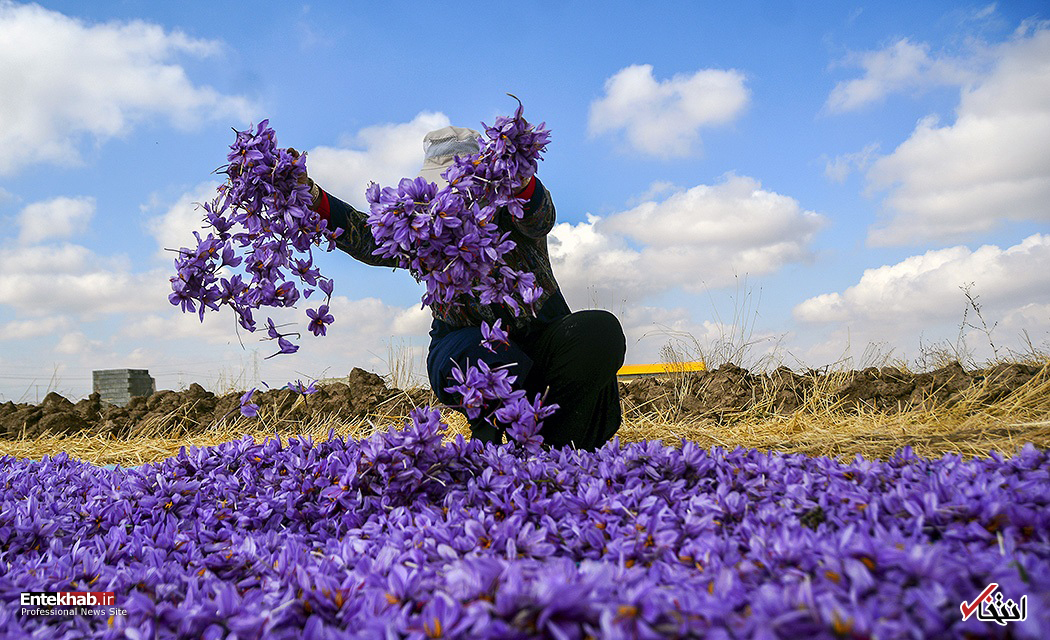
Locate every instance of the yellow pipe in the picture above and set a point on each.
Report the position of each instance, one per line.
(663, 368)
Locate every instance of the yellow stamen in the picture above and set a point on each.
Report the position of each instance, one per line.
(841, 626)
(436, 632)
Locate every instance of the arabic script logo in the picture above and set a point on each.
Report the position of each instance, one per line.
(995, 609)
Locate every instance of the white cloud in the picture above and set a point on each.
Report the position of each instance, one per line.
(924, 290)
(63, 79)
(76, 342)
(656, 189)
(60, 217)
(594, 266)
(26, 329)
(174, 228)
(368, 320)
(950, 182)
(178, 348)
(648, 329)
(839, 168)
(901, 66)
(651, 330)
(663, 118)
(735, 213)
(413, 321)
(1030, 323)
(72, 280)
(170, 323)
(696, 239)
(382, 153)
(1028, 315)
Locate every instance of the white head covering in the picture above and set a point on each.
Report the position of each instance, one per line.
(441, 146)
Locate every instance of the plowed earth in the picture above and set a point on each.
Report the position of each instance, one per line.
(720, 395)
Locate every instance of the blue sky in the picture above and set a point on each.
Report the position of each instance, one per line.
(827, 174)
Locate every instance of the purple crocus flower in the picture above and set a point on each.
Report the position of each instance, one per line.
(248, 408)
(319, 319)
(493, 334)
(286, 346)
(326, 285)
(303, 389)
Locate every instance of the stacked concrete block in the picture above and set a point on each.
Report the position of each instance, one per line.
(118, 386)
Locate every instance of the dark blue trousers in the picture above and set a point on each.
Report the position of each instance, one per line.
(573, 359)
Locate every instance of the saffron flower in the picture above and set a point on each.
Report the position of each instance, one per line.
(303, 389)
(320, 319)
(248, 408)
(448, 238)
(493, 335)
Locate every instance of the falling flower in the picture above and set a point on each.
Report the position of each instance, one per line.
(493, 335)
(248, 408)
(319, 319)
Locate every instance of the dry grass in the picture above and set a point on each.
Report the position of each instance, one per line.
(824, 427)
(820, 427)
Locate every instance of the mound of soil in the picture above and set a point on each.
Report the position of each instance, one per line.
(719, 394)
(729, 390)
(195, 409)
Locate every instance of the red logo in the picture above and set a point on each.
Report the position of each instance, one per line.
(995, 608)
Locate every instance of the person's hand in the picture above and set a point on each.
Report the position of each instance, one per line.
(315, 191)
(303, 179)
(524, 180)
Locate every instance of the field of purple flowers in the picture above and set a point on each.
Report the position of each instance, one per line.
(400, 536)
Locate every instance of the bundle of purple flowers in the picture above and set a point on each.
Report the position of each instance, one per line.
(399, 536)
(448, 237)
(261, 218)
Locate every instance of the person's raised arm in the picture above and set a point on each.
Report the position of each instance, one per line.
(356, 239)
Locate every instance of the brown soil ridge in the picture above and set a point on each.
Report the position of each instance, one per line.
(195, 409)
(722, 394)
(729, 391)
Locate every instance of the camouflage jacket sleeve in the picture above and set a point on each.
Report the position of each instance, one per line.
(356, 239)
(539, 214)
